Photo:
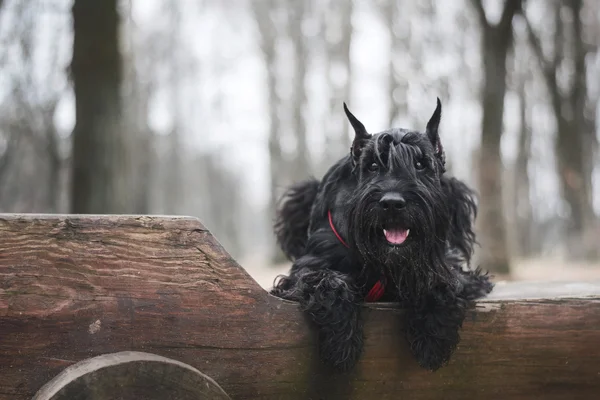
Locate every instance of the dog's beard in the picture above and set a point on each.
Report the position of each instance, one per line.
(409, 247)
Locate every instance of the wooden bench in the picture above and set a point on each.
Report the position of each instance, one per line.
(111, 307)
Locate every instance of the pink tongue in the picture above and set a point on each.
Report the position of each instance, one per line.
(396, 236)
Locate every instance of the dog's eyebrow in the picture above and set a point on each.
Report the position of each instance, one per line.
(403, 154)
(410, 137)
(393, 152)
(400, 155)
(379, 147)
(394, 155)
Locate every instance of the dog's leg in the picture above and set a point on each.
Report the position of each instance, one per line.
(433, 327)
(335, 310)
(332, 302)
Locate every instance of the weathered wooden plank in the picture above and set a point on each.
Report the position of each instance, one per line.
(75, 287)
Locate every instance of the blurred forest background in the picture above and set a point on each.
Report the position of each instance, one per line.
(210, 108)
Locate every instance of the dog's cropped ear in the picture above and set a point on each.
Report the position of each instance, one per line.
(361, 136)
(433, 132)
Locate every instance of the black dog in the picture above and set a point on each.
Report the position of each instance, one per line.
(384, 224)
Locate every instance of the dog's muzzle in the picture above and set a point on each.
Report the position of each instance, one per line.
(392, 204)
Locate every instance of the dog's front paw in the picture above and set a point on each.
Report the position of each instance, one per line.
(341, 351)
(433, 352)
(433, 334)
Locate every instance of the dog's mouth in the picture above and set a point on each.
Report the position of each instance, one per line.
(396, 236)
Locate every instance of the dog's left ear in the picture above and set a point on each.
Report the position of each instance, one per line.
(433, 133)
(361, 136)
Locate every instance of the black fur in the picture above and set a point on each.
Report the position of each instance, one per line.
(393, 181)
(291, 224)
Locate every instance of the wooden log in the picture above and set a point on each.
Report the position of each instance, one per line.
(75, 287)
(131, 375)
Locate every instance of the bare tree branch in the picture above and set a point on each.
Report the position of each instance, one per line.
(504, 27)
(578, 88)
(478, 6)
(511, 8)
(546, 66)
(554, 62)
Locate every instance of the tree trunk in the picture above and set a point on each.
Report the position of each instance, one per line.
(143, 157)
(497, 40)
(268, 37)
(573, 149)
(522, 202)
(6, 159)
(575, 139)
(140, 136)
(173, 183)
(492, 224)
(99, 155)
(54, 169)
(338, 34)
(397, 84)
(302, 157)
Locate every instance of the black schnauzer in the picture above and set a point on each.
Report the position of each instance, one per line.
(385, 223)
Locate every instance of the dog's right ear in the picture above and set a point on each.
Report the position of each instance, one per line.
(361, 136)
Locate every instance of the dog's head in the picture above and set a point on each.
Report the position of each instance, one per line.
(399, 210)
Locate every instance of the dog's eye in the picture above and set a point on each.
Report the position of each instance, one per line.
(419, 165)
(373, 167)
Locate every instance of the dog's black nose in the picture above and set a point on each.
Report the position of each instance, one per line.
(392, 201)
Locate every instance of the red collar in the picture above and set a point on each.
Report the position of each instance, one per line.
(337, 235)
(378, 288)
(376, 291)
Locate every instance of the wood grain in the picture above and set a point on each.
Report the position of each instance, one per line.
(75, 287)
